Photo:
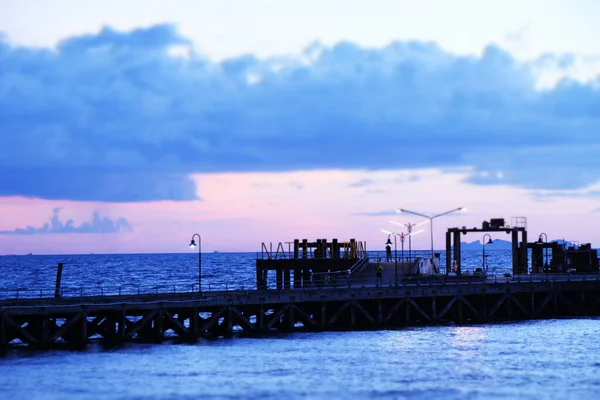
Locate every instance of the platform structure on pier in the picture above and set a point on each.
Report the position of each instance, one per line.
(564, 257)
(519, 248)
(309, 263)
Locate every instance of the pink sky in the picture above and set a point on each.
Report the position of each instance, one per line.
(240, 211)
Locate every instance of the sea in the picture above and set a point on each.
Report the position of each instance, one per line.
(550, 359)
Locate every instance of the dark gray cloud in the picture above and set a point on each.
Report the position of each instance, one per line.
(113, 117)
(98, 224)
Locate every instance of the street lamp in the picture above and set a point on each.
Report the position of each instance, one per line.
(402, 236)
(545, 248)
(409, 227)
(192, 245)
(483, 243)
(402, 210)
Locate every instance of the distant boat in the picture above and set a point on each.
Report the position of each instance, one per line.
(215, 251)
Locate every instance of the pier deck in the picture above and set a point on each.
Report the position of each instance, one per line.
(77, 321)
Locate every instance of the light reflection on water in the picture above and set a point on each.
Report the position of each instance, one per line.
(490, 361)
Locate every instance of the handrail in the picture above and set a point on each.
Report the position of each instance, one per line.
(359, 265)
(250, 286)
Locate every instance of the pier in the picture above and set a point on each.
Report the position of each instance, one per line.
(313, 286)
(75, 322)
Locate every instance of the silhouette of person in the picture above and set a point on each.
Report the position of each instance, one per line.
(388, 253)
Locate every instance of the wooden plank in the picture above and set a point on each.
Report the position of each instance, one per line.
(194, 317)
(364, 311)
(3, 335)
(470, 307)
(339, 312)
(568, 303)
(519, 304)
(275, 318)
(498, 304)
(177, 324)
(419, 309)
(22, 332)
(243, 320)
(447, 308)
(123, 323)
(305, 317)
(214, 318)
(65, 327)
(543, 304)
(141, 323)
(394, 309)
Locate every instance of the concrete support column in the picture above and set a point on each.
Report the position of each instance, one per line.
(448, 252)
(515, 252)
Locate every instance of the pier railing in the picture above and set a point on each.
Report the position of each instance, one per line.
(225, 287)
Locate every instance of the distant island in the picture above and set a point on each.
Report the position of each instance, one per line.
(498, 244)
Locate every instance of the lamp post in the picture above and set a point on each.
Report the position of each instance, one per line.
(395, 258)
(545, 241)
(402, 210)
(483, 263)
(409, 227)
(192, 245)
(402, 236)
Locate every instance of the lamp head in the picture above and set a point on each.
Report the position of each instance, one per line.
(462, 209)
(399, 210)
(388, 241)
(490, 241)
(193, 243)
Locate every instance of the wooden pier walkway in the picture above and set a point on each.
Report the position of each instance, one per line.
(76, 321)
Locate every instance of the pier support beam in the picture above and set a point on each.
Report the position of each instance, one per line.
(3, 335)
(287, 279)
(515, 252)
(279, 278)
(457, 251)
(448, 252)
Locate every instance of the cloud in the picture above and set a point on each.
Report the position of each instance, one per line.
(377, 213)
(362, 183)
(128, 116)
(548, 196)
(98, 224)
(409, 178)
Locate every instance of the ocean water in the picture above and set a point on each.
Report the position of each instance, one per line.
(553, 359)
(94, 274)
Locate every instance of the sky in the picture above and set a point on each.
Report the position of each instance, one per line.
(127, 127)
